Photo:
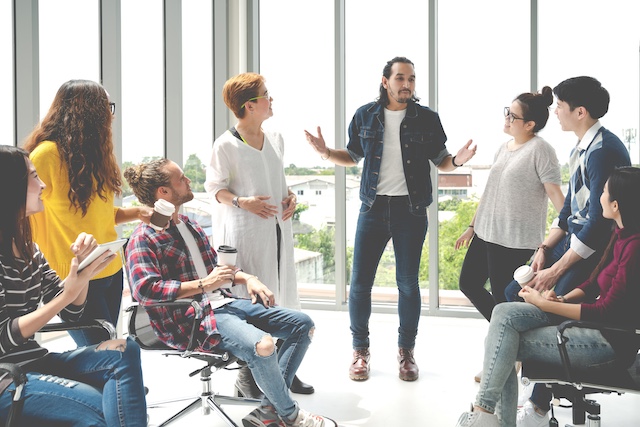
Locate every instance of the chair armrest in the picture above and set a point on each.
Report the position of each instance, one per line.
(15, 371)
(85, 324)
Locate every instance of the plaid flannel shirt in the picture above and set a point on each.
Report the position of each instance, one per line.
(157, 264)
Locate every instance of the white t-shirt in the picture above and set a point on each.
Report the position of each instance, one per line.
(216, 298)
(392, 181)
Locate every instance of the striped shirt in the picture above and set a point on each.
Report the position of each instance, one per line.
(22, 287)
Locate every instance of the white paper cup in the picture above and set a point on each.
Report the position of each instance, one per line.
(227, 255)
(162, 211)
(523, 274)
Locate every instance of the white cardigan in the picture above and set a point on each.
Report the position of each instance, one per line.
(245, 172)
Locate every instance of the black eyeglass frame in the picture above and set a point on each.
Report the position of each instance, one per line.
(513, 117)
(112, 107)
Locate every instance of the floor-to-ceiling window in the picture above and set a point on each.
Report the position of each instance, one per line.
(297, 60)
(483, 65)
(197, 102)
(376, 32)
(7, 112)
(69, 45)
(142, 109)
(570, 47)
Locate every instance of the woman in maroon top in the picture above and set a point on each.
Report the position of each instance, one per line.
(526, 331)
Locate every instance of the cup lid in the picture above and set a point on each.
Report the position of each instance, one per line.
(227, 249)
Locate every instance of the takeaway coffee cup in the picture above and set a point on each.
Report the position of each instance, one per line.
(523, 275)
(227, 256)
(162, 211)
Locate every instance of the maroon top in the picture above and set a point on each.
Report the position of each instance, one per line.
(614, 298)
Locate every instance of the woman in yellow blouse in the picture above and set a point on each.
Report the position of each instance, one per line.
(72, 149)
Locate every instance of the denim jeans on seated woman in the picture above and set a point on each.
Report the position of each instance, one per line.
(521, 331)
(103, 302)
(242, 325)
(83, 387)
(388, 218)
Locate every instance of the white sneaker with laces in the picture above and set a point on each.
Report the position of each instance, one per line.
(529, 417)
(478, 419)
(307, 419)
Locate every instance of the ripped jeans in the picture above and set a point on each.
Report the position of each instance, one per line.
(521, 331)
(83, 388)
(242, 325)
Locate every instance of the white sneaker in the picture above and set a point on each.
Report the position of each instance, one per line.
(525, 394)
(478, 419)
(307, 419)
(528, 417)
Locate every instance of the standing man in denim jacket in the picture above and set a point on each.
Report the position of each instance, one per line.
(397, 138)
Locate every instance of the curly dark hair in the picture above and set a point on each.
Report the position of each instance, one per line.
(79, 122)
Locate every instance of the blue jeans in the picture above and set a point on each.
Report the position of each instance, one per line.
(574, 276)
(521, 331)
(388, 218)
(106, 389)
(103, 302)
(242, 325)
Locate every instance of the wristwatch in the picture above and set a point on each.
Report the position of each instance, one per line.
(235, 203)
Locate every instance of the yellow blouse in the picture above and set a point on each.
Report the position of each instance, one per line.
(58, 226)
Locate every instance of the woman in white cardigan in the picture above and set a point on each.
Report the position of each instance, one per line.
(253, 206)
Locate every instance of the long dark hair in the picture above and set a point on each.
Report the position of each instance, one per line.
(383, 99)
(623, 184)
(14, 224)
(79, 122)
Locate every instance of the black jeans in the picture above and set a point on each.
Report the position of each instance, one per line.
(489, 261)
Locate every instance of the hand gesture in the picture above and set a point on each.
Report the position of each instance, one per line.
(258, 205)
(465, 238)
(289, 203)
(144, 214)
(76, 282)
(257, 289)
(317, 143)
(465, 153)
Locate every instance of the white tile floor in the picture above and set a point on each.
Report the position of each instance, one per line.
(449, 353)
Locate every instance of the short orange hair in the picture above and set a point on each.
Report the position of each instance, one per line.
(238, 90)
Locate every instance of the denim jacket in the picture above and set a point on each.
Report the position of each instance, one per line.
(422, 139)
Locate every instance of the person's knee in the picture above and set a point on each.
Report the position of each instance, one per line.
(118, 345)
(266, 346)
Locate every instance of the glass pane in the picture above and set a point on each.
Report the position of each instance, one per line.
(303, 98)
(610, 55)
(478, 77)
(69, 45)
(142, 109)
(7, 113)
(197, 102)
(364, 66)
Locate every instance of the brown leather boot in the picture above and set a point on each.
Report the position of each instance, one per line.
(408, 368)
(359, 369)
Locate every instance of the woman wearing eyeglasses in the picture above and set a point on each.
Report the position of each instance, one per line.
(511, 217)
(72, 149)
(254, 204)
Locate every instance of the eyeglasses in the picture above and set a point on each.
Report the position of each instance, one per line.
(511, 116)
(112, 107)
(266, 96)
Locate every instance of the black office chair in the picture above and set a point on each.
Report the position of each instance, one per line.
(141, 331)
(574, 384)
(18, 376)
